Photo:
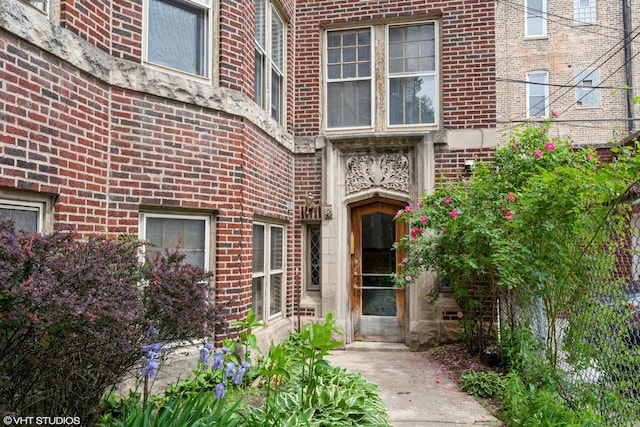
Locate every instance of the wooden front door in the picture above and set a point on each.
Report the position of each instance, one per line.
(378, 308)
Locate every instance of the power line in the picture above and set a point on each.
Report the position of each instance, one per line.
(572, 86)
(585, 27)
(569, 85)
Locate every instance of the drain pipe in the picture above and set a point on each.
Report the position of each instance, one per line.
(626, 22)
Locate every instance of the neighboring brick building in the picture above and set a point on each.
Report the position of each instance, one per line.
(274, 140)
(576, 58)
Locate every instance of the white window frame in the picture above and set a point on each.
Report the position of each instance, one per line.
(25, 200)
(545, 86)
(263, 90)
(205, 6)
(208, 220)
(24, 205)
(41, 5)
(371, 78)
(588, 95)
(585, 14)
(530, 13)
(264, 314)
(434, 73)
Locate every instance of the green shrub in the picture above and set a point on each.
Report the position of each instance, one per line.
(482, 383)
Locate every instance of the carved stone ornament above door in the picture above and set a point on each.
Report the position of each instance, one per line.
(390, 171)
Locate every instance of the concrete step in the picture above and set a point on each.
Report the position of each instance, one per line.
(376, 346)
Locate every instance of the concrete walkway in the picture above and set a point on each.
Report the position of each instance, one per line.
(415, 391)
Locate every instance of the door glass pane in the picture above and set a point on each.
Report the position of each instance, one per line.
(378, 264)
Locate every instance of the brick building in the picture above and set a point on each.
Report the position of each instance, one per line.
(274, 140)
(577, 58)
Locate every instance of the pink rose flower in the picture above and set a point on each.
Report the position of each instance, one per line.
(588, 156)
(454, 214)
(447, 200)
(459, 314)
(554, 113)
(538, 154)
(399, 213)
(423, 219)
(509, 216)
(408, 208)
(549, 146)
(511, 197)
(408, 278)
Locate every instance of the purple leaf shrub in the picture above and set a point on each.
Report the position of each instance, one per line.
(74, 314)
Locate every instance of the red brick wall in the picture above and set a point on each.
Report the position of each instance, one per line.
(126, 35)
(54, 131)
(449, 164)
(90, 19)
(468, 56)
(106, 152)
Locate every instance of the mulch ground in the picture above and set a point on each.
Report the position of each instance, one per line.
(454, 360)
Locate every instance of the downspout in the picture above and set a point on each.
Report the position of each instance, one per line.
(626, 22)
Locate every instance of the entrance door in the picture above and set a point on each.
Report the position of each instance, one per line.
(378, 308)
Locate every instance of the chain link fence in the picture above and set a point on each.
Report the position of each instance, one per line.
(591, 340)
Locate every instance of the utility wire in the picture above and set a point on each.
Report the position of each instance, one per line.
(569, 85)
(582, 26)
(572, 86)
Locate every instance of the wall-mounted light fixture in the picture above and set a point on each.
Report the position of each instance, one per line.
(468, 165)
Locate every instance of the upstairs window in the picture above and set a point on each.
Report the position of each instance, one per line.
(412, 74)
(269, 63)
(349, 78)
(537, 94)
(407, 68)
(535, 18)
(587, 92)
(584, 12)
(42, 5)
(177, 35)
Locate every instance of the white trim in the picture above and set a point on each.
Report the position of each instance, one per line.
(142, 230)
(543, 18)
(23, 205)
(546, 93)
(267, 273)
(269, 11)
